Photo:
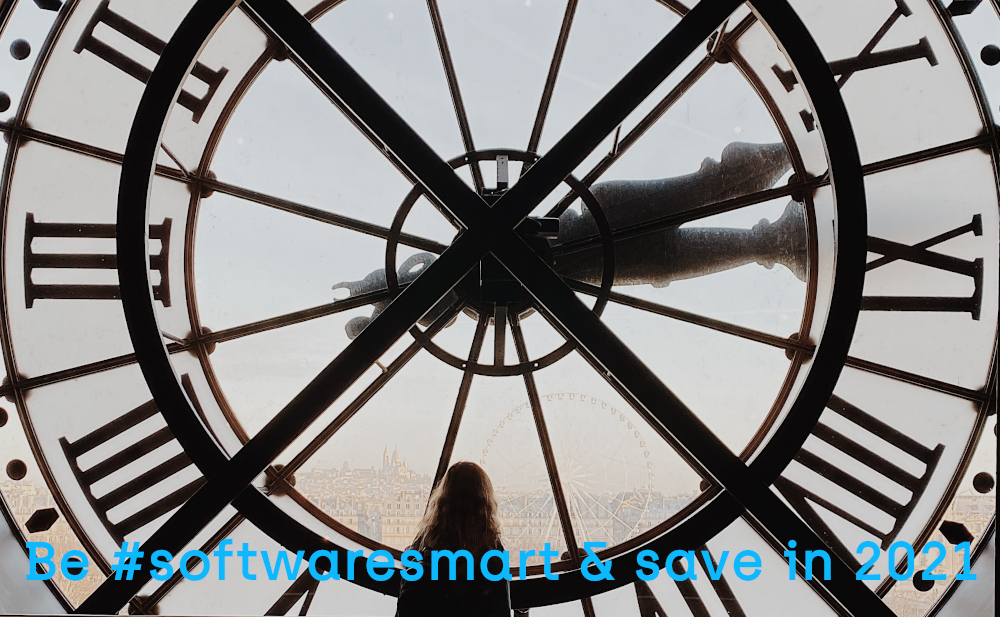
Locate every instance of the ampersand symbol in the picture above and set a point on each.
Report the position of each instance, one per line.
(604, 568)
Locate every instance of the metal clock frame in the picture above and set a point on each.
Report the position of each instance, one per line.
(491, 230)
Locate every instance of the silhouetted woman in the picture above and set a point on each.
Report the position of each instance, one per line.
(461, 515)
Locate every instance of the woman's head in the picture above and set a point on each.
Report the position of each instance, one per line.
(461, 513)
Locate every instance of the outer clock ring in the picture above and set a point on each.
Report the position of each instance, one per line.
(152, 356)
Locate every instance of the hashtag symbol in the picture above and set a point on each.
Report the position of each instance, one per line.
(127, 561)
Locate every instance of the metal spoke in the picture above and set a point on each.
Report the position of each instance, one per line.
(456, 93)
(547, 452)
(233, 190)
(675, 94)
(352, 409)
(788, 344)
(372, 114)
(621, 146)
(150, 602)
(694, 318)
(208, 338)
(979, 396)
(550, 80)
(574, 147)
(687, 216)
(281, 321)
(85, 369)
(699, 446)
(675, 6)
(230, 481)
(322, 216)
(460, 402)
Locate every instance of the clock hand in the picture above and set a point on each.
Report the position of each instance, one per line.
(376, 281)
(659, 257)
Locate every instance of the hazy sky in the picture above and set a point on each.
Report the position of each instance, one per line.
(287, 140)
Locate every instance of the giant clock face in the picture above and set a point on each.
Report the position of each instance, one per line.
(677, 276)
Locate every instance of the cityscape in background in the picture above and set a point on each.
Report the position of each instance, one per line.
(386, 504)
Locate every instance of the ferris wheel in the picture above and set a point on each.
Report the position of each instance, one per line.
(606, 474)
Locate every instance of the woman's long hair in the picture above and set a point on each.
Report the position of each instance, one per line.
(461, 513)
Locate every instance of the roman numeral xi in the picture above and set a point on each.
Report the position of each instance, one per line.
(867, 59)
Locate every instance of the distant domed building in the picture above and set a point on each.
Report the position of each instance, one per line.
(393, 464)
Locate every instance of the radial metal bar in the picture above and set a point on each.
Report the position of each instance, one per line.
(149, 602)
(229, 480)
(558, 494)
(979, 396)
(550, 80)
(676, 6)
(875, 368)
(622, 146)
(701, 448)
(86, 369)
(463, 398)
(233, 190)
(694, 318)
(456, 93)
(207, 338)
(355, 406)
(281, 321)
(694, 214)
(348, 90)
(322, 216)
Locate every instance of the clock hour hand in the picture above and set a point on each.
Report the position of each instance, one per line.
(376, 281)
(670, 253)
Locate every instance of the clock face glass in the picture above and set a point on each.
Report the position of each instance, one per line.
(709, 230)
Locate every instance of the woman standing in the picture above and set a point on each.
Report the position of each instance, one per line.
(461, 515)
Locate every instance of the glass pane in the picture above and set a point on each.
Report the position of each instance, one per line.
(244, 252)
(620, 477)
(495, 45)
(729, 382)
(374, 475)
(67, 314)
(260, 374)
(607, 39)
(27, 23)
(103, 57)
(31, 494)
(114, 409)
(923, 434)
(499, 434)
(702, 596)
(83, 97)
(952, 340)
(758, 53)
(974, 507)
(978, 30)
(399, 57)
(927, 90)
(326, 163)
(236, 593)
(233, 51)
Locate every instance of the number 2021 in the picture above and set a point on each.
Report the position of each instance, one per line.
(927, 574)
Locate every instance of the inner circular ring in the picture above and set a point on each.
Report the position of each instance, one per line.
(607, 276)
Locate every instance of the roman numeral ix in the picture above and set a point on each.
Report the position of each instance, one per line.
(919, 254)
